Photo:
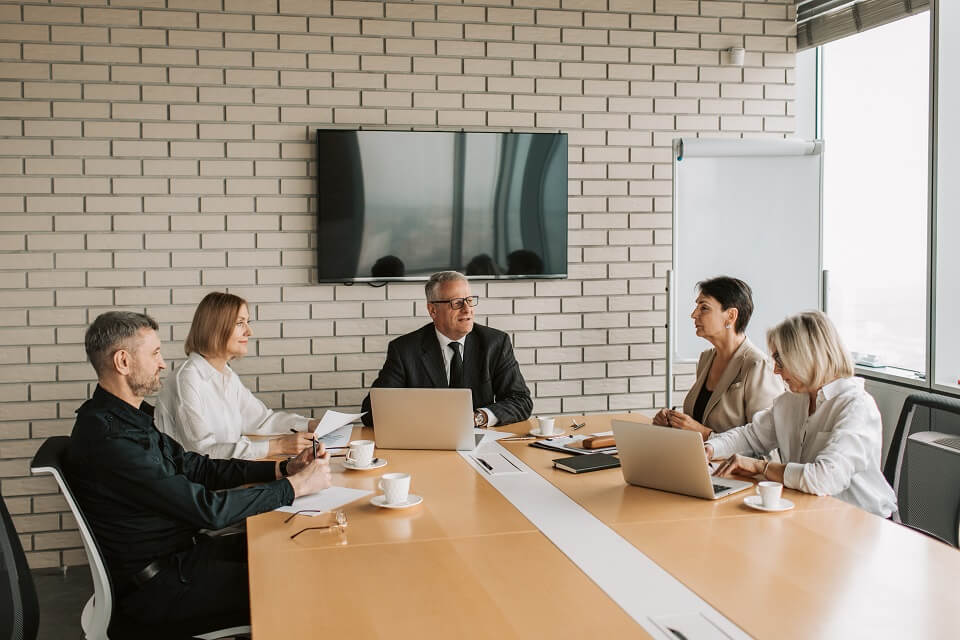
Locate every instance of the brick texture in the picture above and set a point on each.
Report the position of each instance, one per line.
(152, 153)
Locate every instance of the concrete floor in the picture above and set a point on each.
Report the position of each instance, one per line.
(62, 596)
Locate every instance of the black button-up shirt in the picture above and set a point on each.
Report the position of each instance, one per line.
(144, 496)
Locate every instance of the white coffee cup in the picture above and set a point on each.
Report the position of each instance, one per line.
(360, 453)
(546, 426)
(770, 493)
(395, 487)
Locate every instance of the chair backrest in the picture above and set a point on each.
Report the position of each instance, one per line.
(19, 612)
(49, 459)
(923, 465)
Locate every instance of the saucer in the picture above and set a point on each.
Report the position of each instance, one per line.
(381, 501)
(375, 464)
(754, 502)
(556, 432)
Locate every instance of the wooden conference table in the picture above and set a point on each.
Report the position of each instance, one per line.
(466, 563)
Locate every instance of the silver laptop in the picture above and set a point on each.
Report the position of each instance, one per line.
(669, 460)
(424, 419)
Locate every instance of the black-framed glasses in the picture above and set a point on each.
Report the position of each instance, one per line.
(457, 303)
(339, 525)
(776, 359)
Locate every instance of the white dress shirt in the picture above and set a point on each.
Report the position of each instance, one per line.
(834, 452)
(212, 413)
(447, 354)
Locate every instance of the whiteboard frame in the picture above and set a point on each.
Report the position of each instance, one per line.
(725, 147)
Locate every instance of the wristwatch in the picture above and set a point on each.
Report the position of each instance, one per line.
(283, 467)
(480, 418)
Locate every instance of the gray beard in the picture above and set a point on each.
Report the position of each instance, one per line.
(144, 386)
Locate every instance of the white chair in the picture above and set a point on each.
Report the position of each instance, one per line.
(95, 618)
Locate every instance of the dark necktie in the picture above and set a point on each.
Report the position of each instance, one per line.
(456, 367)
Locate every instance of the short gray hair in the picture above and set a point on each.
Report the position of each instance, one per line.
(439, 278)
(110, 332)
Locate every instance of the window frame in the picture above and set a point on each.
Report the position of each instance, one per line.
(895, 375)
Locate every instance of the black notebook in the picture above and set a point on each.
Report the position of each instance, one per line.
(589, 462)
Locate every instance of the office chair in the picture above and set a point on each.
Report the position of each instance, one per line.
(97, 613)
(19, 611)
(923, 466)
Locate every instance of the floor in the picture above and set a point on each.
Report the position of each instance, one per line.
(62, 595)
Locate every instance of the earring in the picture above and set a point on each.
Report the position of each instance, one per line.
(727, 326)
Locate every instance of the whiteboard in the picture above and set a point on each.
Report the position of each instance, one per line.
(749, 209)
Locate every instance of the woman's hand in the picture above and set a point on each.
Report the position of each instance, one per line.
(290, 445)
(738, 465)
(680, 420)
(313, 424)
(661, 418)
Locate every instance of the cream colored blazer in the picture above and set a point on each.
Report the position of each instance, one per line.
(747, 385)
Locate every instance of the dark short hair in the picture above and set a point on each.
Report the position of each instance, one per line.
(110, 332)
(730, 292)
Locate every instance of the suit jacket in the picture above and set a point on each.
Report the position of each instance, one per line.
(489, 370)
(747, 385)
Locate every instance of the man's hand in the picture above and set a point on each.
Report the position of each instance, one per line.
(307, 474)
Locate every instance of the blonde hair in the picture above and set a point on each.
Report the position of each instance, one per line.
(810, 349)
(213, 323)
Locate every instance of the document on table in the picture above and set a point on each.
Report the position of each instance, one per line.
(326, 500)
(334, 420)
(571, 444)
(337, 438)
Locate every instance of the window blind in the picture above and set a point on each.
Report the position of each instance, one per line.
(822, 21)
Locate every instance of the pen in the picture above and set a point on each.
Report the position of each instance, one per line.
(517, 439)
(485, 463)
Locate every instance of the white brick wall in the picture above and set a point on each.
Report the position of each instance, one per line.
(155, 151)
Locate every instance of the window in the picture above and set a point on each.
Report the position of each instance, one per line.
(875, 125)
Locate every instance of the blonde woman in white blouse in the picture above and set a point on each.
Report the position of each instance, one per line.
(206, 408)
(827, 428)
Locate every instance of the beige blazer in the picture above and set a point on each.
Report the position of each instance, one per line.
(747, 385)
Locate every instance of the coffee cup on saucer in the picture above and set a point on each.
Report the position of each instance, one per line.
(395, 487)
(546, 426)
(770, 493)
(360, 453)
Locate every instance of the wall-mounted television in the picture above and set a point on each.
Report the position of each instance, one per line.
(400, 205)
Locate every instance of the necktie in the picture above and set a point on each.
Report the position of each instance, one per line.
(456, 367)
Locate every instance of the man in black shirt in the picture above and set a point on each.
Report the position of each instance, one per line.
(146, 499)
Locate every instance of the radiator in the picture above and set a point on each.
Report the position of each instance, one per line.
(931, 500)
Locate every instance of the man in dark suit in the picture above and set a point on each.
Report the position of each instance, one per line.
(454, 352)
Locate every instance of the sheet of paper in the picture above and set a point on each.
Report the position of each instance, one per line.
(499, 463)
(691, 626)
(565, 443)
(326, 500)
(334, 420)
(337, 438)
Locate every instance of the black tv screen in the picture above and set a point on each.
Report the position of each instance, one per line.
(400, 205)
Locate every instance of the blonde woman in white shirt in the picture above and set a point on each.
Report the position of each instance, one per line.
(204, 405)
(827, 428)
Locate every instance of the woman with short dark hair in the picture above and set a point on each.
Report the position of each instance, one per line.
(734, 378)
(204, 405)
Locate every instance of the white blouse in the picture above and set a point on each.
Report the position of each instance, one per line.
(834, 452)
(212, 413)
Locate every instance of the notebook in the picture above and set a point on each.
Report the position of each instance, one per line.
(585, 463)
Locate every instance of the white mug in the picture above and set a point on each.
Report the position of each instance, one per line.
(770, 493)
(395, 487)
(546, 426)
(360, 453)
